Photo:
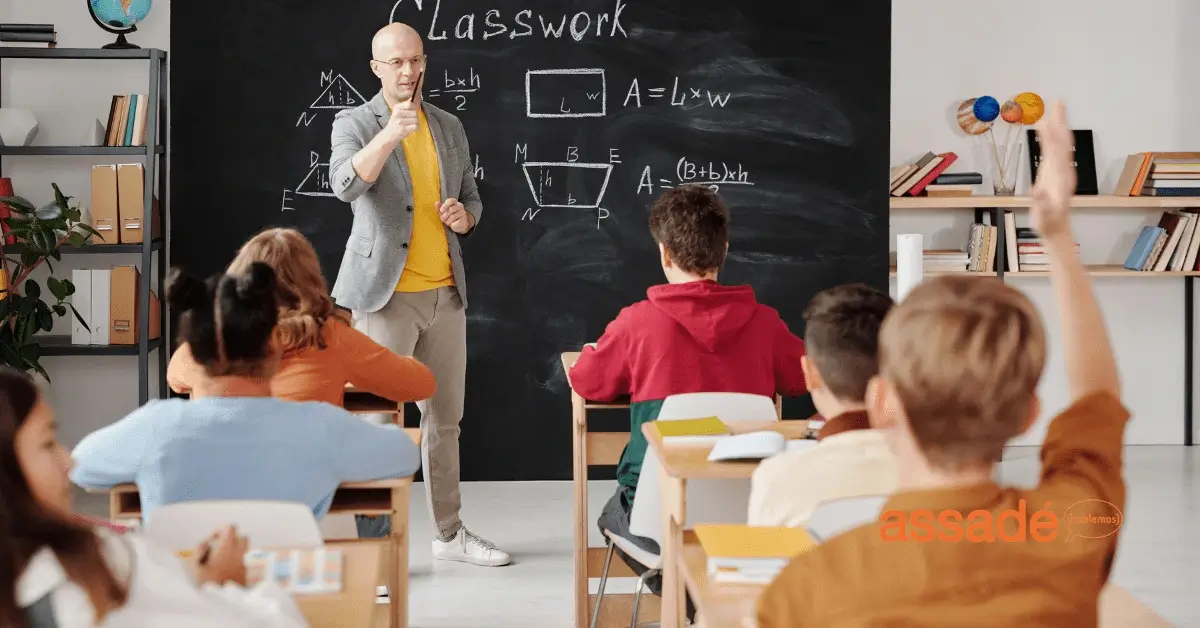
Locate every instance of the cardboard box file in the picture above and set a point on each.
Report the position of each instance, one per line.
(124, 309)
(104, 203)
(131, 190)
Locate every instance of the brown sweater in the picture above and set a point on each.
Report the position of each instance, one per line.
(314, 374)
(927, 579)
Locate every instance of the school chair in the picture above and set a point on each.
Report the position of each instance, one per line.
(184, 525)
(708, 501)
(835, 516)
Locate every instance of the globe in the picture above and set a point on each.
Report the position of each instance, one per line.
(119, 17)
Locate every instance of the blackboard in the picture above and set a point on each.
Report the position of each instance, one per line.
(782, 105)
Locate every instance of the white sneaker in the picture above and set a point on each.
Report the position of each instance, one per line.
(465, 547)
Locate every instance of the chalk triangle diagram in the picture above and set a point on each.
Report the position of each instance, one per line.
(339, 94)
(316, 182)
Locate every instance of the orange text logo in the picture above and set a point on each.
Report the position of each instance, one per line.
(1089, 518)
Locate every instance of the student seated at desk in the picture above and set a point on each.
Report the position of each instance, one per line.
(320, 351)
(841, 340)
(60, 571)
(690, 335)
(236, 441)
(960, 359)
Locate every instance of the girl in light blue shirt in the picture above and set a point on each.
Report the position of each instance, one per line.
(237, 441)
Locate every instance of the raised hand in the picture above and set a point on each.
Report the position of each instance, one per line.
(1050, 209)
(403, 122)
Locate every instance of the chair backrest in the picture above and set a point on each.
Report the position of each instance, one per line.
(831, 518)
(708, 501)
(184, 525)
(725, 406)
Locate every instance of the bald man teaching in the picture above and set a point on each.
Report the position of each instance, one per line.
(404, 167)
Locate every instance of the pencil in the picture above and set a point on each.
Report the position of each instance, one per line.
(416, 86)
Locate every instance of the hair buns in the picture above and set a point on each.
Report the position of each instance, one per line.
(256, 283)
(185, 292)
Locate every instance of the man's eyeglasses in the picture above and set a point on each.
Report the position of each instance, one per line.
(417, 62)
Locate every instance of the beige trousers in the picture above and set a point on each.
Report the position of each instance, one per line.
(431, 326)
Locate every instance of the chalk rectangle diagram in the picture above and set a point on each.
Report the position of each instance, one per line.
(567, 184)
(566, 93)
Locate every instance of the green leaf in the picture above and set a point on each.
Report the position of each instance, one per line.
(70, 287)
(18, 204)
(48, 264)
(77, 239)
(49, 211)
(78, 316)
(32, 289)
(88, 228)
(36, 365)
(60, 310)
(59, 197)
(74, 214)
(57, 287)
(45, 319)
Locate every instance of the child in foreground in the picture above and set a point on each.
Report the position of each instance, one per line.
(960, 361)
(60, 571)
(235, 440)
(690, 335)
(841, 341)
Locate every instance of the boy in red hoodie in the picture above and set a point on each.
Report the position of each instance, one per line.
(690, 335)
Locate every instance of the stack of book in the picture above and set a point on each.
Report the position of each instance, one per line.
(750, 554)
(28, 36)
(954, 184)
(944, 260)
(1171, 245)
(1031, 253)
(913, 179)
(1160, 174)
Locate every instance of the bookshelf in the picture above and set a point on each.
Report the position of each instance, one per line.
(995, 206)
(153, 159)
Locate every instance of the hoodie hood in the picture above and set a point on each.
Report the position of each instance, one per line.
(712, 314)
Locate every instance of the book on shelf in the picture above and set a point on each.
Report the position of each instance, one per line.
(912, 179)
(1169, 246)
(127, 117)
(1031, 253)
(750, 554)
(297, 571)
(28, 36)
(1160, 174)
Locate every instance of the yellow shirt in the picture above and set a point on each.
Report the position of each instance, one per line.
(428, 265)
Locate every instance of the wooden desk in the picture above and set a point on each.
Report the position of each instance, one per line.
(599, 449)
(354, 605)
(720, 605)
(377, 497)
(680, 463)
(363, 402)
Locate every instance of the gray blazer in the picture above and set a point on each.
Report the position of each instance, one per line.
(383, 211)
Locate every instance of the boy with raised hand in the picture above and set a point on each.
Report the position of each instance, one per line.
(841, 343)
(960, 360)
(691, 334)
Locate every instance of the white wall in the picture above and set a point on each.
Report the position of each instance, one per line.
(65, 95)
(1133, 82)
(1129, 80)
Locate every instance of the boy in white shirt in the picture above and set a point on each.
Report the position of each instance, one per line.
(852, 459)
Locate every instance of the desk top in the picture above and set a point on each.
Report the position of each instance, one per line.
(721, 605)
(690, 460)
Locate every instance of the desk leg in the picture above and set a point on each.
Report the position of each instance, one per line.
(398, 577)
(579, 475)
(674, 514)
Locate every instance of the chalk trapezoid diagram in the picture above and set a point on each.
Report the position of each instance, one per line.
(316, 182)
(541, 176)
(339, 94)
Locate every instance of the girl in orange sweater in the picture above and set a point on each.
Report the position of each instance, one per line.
(321, 351)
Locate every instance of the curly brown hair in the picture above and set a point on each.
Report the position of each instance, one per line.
(692, 223)
(304, 302)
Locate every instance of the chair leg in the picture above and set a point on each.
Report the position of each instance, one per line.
(637, 595)
(603, 580)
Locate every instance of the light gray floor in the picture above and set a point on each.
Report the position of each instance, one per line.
(1158, 561)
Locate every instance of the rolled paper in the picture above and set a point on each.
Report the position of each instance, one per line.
(967, 120)
(1032, 107)
(986, 108)
(910, 254)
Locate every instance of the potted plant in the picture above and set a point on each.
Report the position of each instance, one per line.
(40, 232)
